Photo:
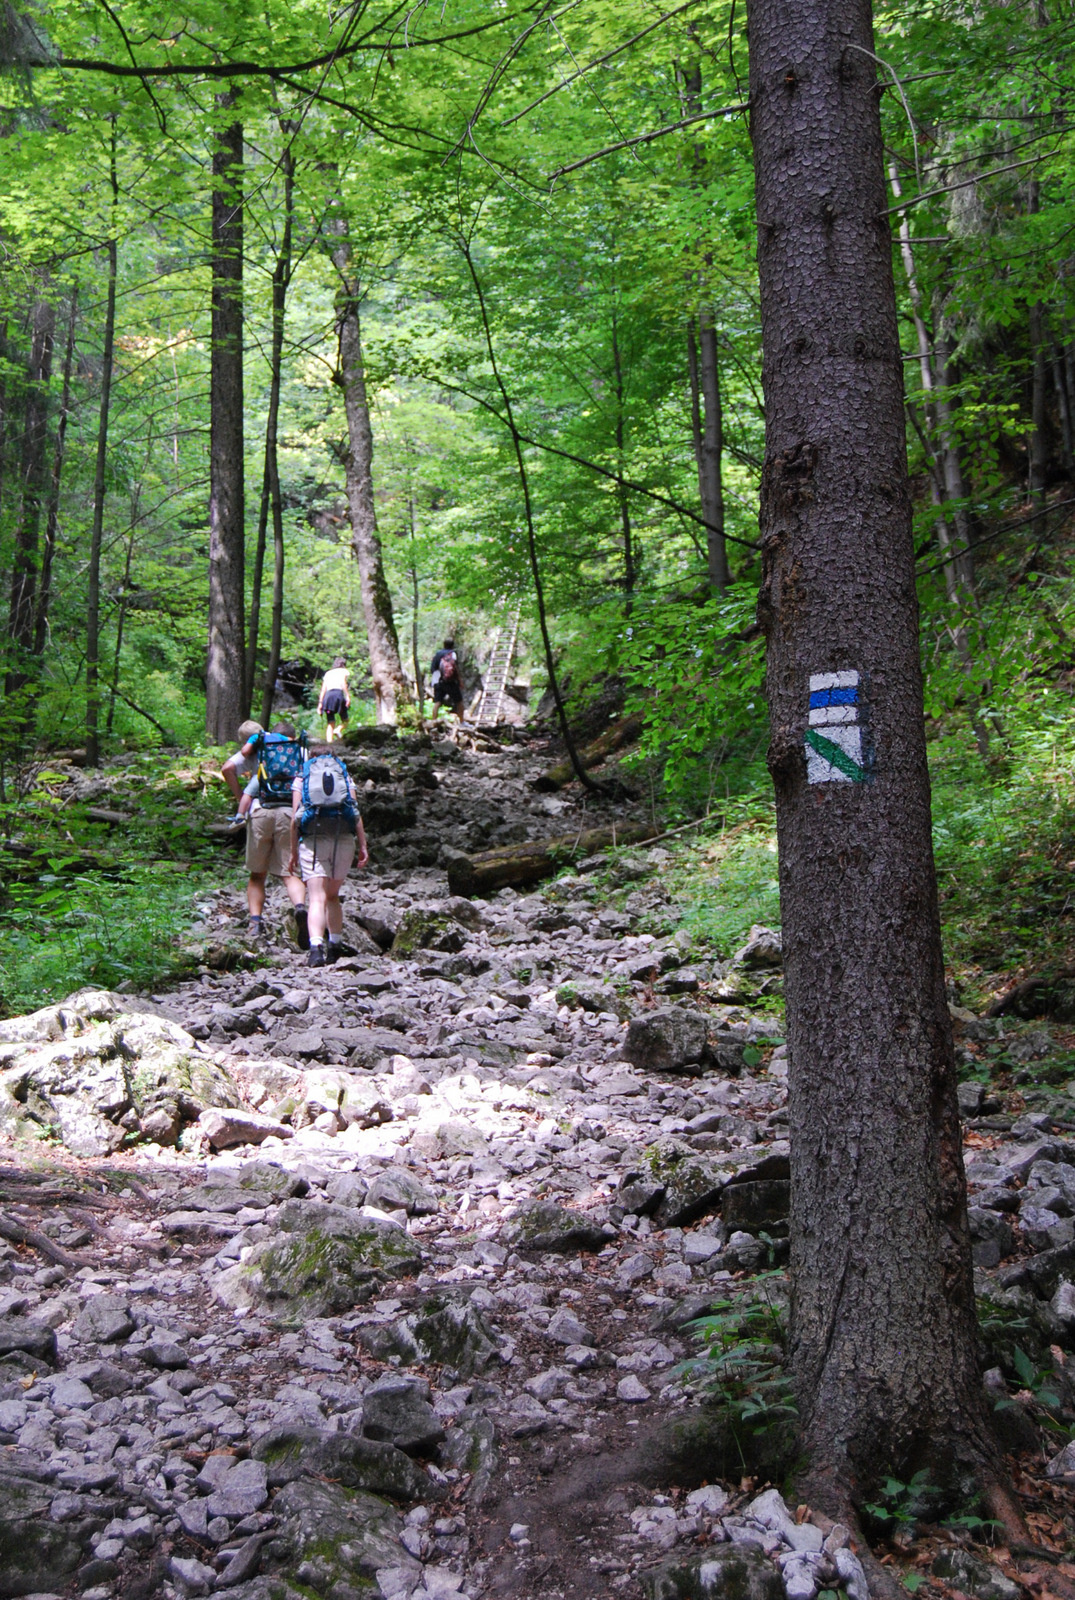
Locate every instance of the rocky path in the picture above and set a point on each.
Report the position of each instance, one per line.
(373, 1280)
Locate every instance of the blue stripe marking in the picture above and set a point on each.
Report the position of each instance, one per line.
(834, 697)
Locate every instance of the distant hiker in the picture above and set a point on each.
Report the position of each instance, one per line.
(334, 701)
(327, 837)
(276, 756)
(240, 766)
(445, 679)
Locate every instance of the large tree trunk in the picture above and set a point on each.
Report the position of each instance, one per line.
(224, 670)
(270, 485)
(883, 1339)
(93, 590)
(24, 562)
(390, 686)
(52, 516)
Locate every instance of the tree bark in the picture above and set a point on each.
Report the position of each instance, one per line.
(224, 671)
(390, 687)
(52, 516)
(270, 483)
(28, 523)
(93, 589)
(621, 489)
(710, 482)
(883, 1337)
(1038, 455)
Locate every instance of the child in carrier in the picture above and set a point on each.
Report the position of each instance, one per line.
(327, 838)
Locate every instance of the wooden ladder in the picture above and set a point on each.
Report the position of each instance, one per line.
(500, 659)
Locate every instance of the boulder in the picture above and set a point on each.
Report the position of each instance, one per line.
(424, 929)
(471, 1446)
(455, 1334)
(765, 1203)
(105, 1319)
(692, 1185)
(723, 1572)
(225, 1128)
(322, 1260)
(36, 1554)
(291, 1452)
(763, 951)
(673, 1039)
(336, 1540)
(398, 1411)
(548, 1226)
(969, 1573)
(33, 1338)
(93, 1070)
(397, 1189)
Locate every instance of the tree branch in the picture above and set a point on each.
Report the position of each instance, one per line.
(647, 138)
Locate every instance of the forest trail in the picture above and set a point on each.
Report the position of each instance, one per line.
(496, 1179)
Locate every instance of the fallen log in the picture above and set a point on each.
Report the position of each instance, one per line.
(538, 858)
(619, 734)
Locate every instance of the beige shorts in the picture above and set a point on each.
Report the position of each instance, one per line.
(268, 840)
(326, 855)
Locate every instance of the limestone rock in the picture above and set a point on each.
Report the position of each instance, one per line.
(323, 1260)
(548, 1226)
(105, 1319)
(692, 1185)
(337, 1540)
(424, 929)
(723, 1572)
(397, 1189)
(34, 1338)
(36, 1554)
(226, 1128)
(89, 1071)
(673, 1039)
(973, 1576)
(471, 1446)
(398, 1411)
(291, 1452)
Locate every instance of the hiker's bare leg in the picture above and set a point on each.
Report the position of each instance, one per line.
(315, 890)
(296, 890)
(255, 894)
(333, 905)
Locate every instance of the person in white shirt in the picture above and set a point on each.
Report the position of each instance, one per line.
(334, 701)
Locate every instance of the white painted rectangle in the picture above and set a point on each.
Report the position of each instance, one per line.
(818, 770)
(830, 716)
(833, 680)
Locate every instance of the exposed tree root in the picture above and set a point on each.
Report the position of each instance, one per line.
(39, 1242)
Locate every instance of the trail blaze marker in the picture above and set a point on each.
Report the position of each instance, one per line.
(834, 745)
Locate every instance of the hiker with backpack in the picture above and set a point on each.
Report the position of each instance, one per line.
(327, 837)
(334, 701)
(278, 756)
(445, 679)
(240, 766)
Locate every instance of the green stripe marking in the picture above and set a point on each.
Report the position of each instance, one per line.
(835, 756)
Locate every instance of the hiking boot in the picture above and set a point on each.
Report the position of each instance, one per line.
(333, 952)
(317, 957)
(302, 928)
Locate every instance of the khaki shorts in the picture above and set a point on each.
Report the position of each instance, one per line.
(327, 855)
(268, 840)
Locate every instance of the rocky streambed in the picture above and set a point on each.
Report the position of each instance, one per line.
(376, 1280)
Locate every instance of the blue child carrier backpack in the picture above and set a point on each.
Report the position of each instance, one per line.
(280, 760)
(327, 795)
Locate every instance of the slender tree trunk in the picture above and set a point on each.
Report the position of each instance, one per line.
(710, 481)
(25, 555)
(621, 490)
(1038, 454)
(52, 517)
(883, 1338)
(93, 591)
(270, 483)
(390, 686)
(121, 621)
(225, 664)
(707, 412)
(1063, 401)
(416, 660)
